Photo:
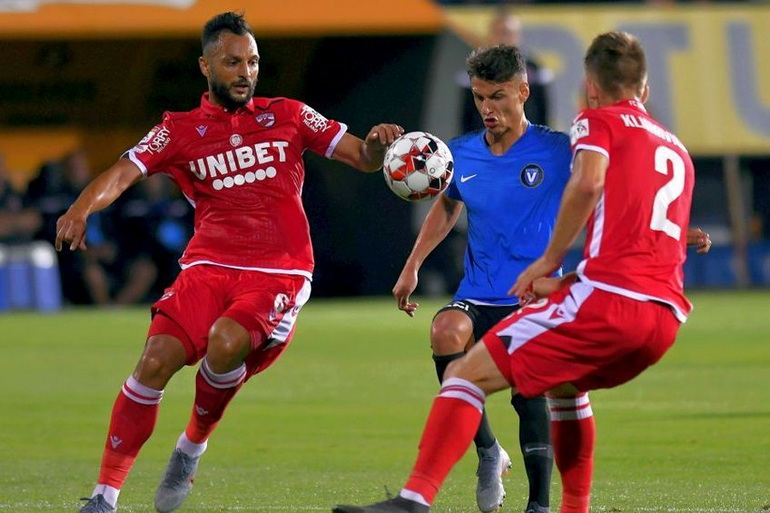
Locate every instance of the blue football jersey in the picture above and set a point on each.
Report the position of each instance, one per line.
(511, 202)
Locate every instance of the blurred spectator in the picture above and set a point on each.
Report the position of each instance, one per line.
(505, 28)
(18, 221)
(84, 275)
(760, 174)
(152, 228)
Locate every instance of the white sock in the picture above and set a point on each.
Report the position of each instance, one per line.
(189, 447)
(110, 494)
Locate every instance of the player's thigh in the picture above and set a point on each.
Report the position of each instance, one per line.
(485, 317)
(163, 354)
(543, 345)
(268, 308)
(478, 367)
(648, 329)
(228, 345)
(190, 306)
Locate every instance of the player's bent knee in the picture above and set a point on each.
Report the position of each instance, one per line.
(162, 357)
(443, 345)
(229, 344)
(450, 334)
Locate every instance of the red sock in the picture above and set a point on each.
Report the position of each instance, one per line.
(573, 433)
(449, 431)
(213, 392)
(133, 419)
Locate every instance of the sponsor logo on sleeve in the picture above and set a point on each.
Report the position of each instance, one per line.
(155, 141)
(313, 120)
(578, 130)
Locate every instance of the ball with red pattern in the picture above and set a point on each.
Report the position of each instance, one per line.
(418, 166)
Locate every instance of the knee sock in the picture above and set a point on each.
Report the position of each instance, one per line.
(213, 392)
(452, 422)
(535, 442)
(484, 438)
(133, 420)
(573, 433)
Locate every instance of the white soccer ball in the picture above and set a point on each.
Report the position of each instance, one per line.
(418, 166)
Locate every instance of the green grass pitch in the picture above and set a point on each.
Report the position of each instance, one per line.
(339, 417)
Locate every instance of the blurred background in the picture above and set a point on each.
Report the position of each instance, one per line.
(82, 81)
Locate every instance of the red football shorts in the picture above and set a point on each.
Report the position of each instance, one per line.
(580, 335)
(265, 304)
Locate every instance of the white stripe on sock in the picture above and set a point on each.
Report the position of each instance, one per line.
(464, 390)
(140, 393)
(227, 380)
(575, 408)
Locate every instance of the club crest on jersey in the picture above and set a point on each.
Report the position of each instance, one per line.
(235, 140)
(266, 119)
(578, 131)
(532, 175)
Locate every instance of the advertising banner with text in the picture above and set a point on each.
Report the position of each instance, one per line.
(709, 65)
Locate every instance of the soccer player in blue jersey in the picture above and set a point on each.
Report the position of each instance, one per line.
(510, 177)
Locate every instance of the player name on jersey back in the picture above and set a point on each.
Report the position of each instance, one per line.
(634, 121)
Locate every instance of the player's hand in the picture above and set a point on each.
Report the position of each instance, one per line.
(699, 239)
(524, 288)
(384, 134)
(71, 229)
(406, 284)
(544, 287)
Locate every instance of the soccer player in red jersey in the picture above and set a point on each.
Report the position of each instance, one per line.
(601, 326)
(246, 271)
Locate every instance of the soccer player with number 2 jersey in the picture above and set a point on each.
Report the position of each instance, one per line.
(631, 186)
(246, 271)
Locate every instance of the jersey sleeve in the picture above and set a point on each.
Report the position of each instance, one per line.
(319, 134)
(154, 152)
(590, 132)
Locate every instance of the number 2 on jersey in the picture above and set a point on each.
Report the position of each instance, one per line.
(669, 192)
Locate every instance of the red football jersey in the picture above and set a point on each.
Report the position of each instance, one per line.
(243, 172)
(637, 235)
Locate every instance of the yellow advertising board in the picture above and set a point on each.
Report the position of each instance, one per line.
(709, 65)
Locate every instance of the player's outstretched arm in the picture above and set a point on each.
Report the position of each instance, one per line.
(441, 218)
(699, 239)
(99, 194)
(367, 155)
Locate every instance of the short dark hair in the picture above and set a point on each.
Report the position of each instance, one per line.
(617, 61)
(227, 21)
(496, 63)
